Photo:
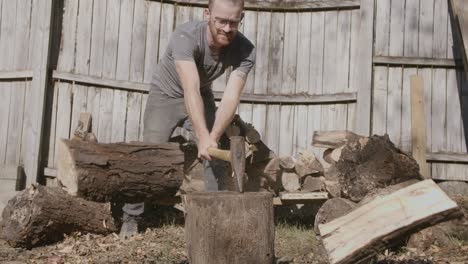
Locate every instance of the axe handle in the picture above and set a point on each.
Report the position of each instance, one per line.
(220, 154)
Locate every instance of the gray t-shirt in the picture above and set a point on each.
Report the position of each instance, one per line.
(188, 42)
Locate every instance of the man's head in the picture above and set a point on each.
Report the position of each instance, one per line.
(224, 17)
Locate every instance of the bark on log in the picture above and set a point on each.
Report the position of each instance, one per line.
(366, 165)
(227, 227)
(377, 225)
(39, 215)
(127, 172)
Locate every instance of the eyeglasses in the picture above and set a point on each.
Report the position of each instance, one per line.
(222, 22)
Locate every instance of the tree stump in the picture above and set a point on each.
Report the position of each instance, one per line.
(229, 227)
(120, 172)
(39, 215)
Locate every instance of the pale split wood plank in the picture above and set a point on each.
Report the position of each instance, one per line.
(407, 209)
(316, 75)
(250, 31)
(302, 82)
(417, 124)
(406, 109)
(363, 68)
(275, 68)
(152, 40)
(259, 111)
(289, 83)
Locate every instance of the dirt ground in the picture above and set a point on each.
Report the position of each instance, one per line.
(163, 242)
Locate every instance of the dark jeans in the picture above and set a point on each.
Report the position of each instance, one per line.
(162, 115)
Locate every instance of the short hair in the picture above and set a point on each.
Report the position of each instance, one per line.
(235, 2)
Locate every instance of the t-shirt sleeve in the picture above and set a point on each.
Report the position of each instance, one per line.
(247, 57)
(183, 46)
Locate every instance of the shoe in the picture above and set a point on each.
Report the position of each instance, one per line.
(129, 226)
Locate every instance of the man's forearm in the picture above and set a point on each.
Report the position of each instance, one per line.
(195, 110)
(229, 103)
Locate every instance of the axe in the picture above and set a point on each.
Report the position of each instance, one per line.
(236, 156)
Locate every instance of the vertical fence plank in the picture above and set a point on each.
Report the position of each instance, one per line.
(329, 68)
(15, 123)
(259, 111)
(353, 59)
(83, 50)
(395, 74)
(109, 68)
(426, 28)
(182, 14)
(302, 81)
(119, 111)
(166, 27)
(137, 63)
(96, 61)
(66, 63)
(275, 79)
(35, 117)
(439, 125)
(250, 32)
(410, 49)
(7, 53)
(316, 74)
(363, 68)
(288, 84)
(382, 30)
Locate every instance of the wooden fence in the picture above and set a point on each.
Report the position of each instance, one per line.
(319, 67)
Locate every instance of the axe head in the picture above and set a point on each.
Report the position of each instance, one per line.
(238, 160)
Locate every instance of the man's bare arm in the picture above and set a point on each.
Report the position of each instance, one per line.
(190, 81)
(229, 103)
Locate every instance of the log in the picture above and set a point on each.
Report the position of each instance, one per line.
(332, 139)
(332, 156)
(313, 184)
(374, 165)
(251, 134)
(40, 215)
(121, 172)
(359, 235)
(290, 181)
(228, 227)
(308, 164)
(332, 209)
(287, 163)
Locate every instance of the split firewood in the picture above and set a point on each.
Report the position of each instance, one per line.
(313, 184)
(332, 156)
(357, 236)
(40, 215)
(332, 184)
(332, 209)
(333, 139)
(287, 163)
(251, 134)
(290, 181)
(308, 164)
(127, 172)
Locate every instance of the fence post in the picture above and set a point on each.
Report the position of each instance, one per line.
(34, 116)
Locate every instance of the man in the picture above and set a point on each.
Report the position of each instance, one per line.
(198, 53)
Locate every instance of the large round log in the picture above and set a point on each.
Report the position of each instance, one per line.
(125, 172)
(39, 215)
(228, 227)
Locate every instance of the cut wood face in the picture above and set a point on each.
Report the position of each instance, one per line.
(66, 170)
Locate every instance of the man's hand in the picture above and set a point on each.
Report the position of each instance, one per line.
(203, 144)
